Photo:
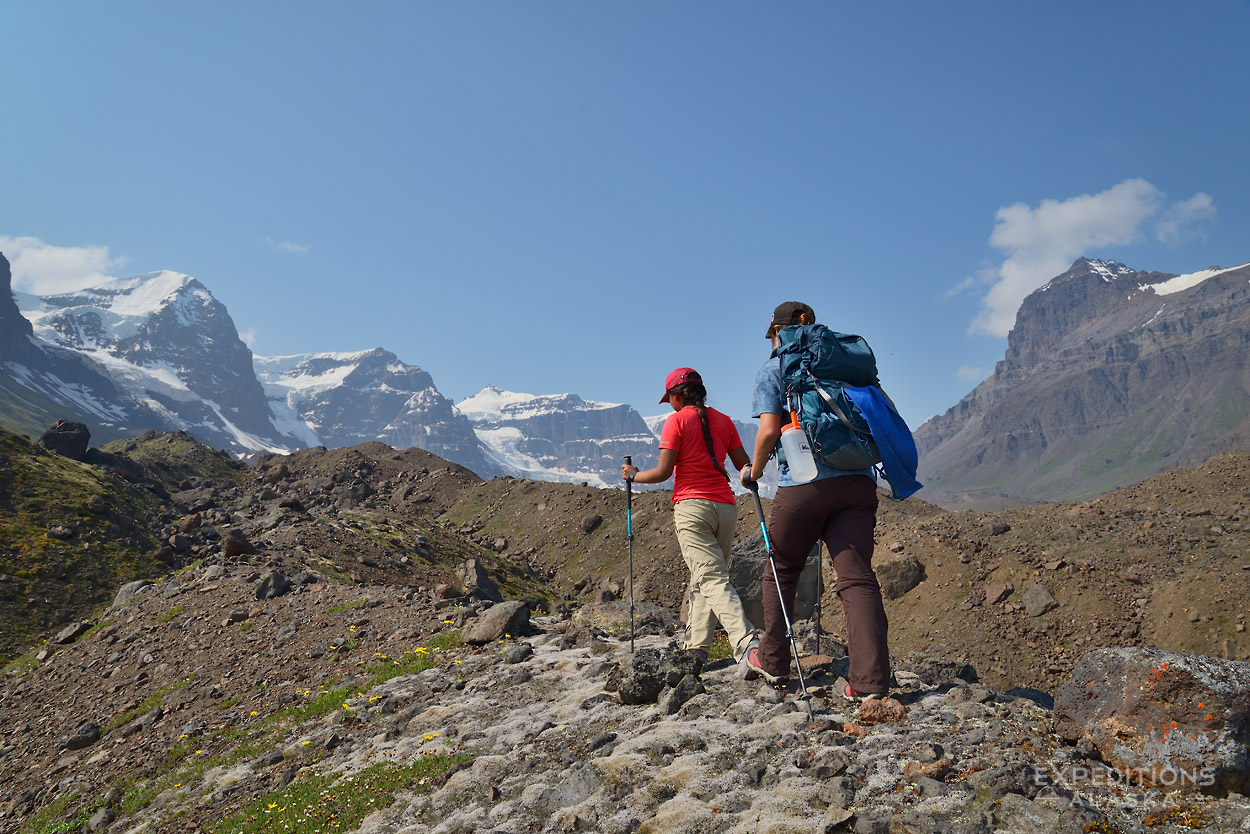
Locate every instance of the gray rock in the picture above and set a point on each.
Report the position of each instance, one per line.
(272, 584)
(643, 675)
(1038, 601)
(473, 581)
(671, 699)
(518, 653)
(1015, 813)
(1138, 708)
(497, 622)
(129, 591)
(899, 576)
(71, 633)
(101, 819)
(85, 736)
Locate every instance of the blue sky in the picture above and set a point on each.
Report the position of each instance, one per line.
(574, 196)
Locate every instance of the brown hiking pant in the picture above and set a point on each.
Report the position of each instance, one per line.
(842, 512)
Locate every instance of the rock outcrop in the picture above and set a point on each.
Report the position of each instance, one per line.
(1110, 376)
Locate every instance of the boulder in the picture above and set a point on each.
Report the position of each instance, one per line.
(898, 576)
(272, 584)
(748, 563)
(129, 591)
(85, 736)
(643, 675)
(66, 438)
(1162, 719)
(473, 581)
(71, 633)
(1038, 601)
(671, 699)
(506, 619)
(236, 543)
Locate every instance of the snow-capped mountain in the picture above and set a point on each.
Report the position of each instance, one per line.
(172, 346)
(340, 399)
(158, 351)
(559, 437)
(41, 382)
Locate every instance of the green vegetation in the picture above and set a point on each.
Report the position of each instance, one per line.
(149, 703)
(48, 820)
(177, 457)
(170, 614)
(331, 802)
(54, 578)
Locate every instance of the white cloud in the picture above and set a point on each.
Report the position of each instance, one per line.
(248, 336)
(43, 269)
(287, 246)
(1043, 242)
(1176, 226)
(985, 274)
(971, 373)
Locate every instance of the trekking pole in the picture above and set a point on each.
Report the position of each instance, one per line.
(794, 648)
(820, 589)
(629, 539)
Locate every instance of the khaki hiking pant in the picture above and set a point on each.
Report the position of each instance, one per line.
(705, 531)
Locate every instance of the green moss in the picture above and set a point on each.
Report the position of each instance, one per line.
(170, 614)
(149, 703)
(51, 818)
(329, 801)
(63, 579)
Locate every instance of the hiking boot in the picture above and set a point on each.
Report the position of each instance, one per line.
(750, 664)
(744, 669)
(852, 695)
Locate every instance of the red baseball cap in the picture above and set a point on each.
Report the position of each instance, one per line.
(676, 378)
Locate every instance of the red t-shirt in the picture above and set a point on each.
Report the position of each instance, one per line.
(695, 475)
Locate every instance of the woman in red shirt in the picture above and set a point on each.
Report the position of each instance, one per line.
(694, 443)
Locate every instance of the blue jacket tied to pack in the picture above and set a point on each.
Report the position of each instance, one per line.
(831, 383)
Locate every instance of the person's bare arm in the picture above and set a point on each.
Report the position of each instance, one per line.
(656, 475)
(765, 441)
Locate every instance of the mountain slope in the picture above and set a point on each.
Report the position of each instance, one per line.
(173, 347)
(340, 399)
(1110, 376)
(42, 382)
(559, 437)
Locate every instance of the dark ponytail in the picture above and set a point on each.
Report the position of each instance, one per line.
(693, 393)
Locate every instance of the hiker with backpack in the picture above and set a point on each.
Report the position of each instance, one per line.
(693, 444)
(815, 381)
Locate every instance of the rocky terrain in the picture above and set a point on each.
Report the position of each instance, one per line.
(370, 639)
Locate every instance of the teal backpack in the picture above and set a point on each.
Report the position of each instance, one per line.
(816, 364)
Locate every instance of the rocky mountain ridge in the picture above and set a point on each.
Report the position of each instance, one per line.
(1110, 376)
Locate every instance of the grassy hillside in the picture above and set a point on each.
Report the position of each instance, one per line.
(70, 534)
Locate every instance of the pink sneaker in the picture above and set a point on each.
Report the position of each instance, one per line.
(852, 695)
(750, 668)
